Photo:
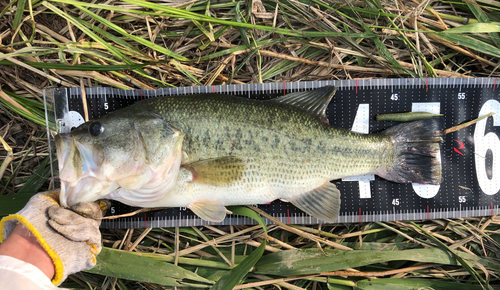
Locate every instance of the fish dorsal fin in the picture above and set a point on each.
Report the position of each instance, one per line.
(314, 102)
(322, 203)
(212, 211)
(218, 171)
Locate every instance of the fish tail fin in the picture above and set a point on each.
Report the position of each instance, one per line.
(416, 155)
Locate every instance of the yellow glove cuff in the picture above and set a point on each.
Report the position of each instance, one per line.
(58, 264)
(70, 240)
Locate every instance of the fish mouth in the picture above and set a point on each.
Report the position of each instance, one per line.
(85, 190)
(78, 172)
(68, 173)
(63, 145)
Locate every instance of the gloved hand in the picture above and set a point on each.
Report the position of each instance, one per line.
(71, 240)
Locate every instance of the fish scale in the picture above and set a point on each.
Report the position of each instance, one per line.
(294, 137)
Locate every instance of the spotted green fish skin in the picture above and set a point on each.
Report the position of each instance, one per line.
(237, 151)
(281, 142)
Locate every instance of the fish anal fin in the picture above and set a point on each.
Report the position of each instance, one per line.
(314, 101)
(222, 171)
(322, 202)
(211, 211)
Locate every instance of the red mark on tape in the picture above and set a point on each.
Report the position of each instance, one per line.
(462, 146)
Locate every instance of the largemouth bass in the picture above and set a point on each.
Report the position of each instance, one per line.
(205, 152)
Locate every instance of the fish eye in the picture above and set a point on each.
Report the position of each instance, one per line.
(96, 129)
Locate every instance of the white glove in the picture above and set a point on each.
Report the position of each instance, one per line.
(71, 240)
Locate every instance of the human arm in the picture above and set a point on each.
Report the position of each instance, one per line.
(71, 241)
(25, 247)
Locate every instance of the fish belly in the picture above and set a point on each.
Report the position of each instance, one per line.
(269, 178)
(238, 194)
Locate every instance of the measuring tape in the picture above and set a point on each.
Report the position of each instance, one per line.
(470, 157)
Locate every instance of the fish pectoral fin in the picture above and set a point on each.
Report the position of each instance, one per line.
(210, 211)
(314, 101)
(218, 171)
(322, 203)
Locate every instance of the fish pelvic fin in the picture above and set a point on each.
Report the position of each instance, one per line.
(314, 101)
(222, 171)
(416, 153)
(211, 211)
(322, 203)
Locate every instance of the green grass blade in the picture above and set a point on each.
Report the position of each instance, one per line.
(288, 64)
(430, 69)
(483, 17)
(462, 261)
(116, 51)
(249, 56)
(7, 7)
(385, 53)
(179, 13)
(475, 28)
(127, 265)
(32, 117)
(217, 35)
(116, 39)
(260, 44)
(76, 22)
(41, 174)
(245, 211)
(204, 30)
(198, 263)
(26, 102)
(241, 30)
(142, 41)
(410, 284)
(19, 14)
(10, 204)
(188, 74)
(361, 11)
(28, 51)
(83, 67)
(310, 261)
(210, 32)
(234, 276)
(442, 59)
(471, 43)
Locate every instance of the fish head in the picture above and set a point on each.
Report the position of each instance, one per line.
(125, 150)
